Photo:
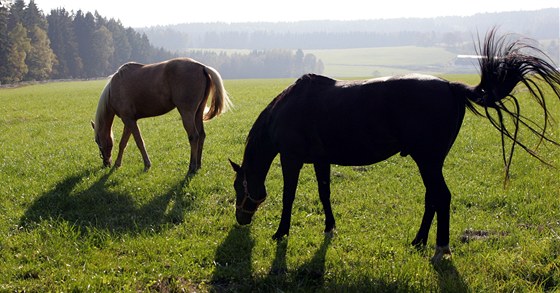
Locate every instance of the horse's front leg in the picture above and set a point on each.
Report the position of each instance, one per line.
(323, 174)
(290, 172)
(122, 146)
(133, 128)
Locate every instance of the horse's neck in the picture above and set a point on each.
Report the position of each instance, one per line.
(257, 160)
(104, 115)
(106, 124)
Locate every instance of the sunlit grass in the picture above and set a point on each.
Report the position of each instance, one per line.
(67, 224)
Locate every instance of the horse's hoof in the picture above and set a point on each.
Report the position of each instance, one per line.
(278, 271)
(442, 253)
(330, 232)
(279, 235)
(419, 244)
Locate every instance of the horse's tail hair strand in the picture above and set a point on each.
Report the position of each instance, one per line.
(220, 101)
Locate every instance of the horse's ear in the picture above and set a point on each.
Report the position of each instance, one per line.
(92, 124)
(235, 167)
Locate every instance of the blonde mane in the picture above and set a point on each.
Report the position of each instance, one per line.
(102, 108)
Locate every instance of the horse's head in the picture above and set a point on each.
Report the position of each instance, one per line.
(248, 196)
(105, 144)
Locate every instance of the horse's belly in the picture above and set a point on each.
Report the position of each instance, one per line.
(362, 155)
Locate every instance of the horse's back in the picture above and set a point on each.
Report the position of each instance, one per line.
(428, 114)
(174, 68)
(363, 122)
(146, 90)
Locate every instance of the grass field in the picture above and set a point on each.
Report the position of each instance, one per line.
(66, 224)
(384, 61)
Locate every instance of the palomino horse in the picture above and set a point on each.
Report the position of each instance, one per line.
(137, 91)
(322, 121)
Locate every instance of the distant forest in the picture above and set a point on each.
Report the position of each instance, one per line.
(64, 45)
(453, 32)
(272, 43)
(70, 45)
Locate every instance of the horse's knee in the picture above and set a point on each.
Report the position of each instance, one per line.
(442, 202)
(194, 137)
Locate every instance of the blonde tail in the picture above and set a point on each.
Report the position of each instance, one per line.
(220, 102)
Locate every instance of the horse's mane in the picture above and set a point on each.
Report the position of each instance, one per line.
(102, 108)
(126, 67)
(103, 104)
(257, 134)
(258, 137)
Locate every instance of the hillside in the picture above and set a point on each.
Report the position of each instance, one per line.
(451, 31)
(358, 48)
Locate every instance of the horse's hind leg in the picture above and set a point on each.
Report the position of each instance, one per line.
(189, 123)
(122, 146)
(133, 128)
(422, 236)
(323, 174)
(201, 136)
(437, 201)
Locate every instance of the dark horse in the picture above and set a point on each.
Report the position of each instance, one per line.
(137, 91)
(323, 121)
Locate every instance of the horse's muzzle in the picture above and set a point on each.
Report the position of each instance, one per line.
(243, 218)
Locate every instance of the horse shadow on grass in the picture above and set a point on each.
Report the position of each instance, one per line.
(98, 207)
(310, 275)
(449, 278)
(234, 273)
(233, 262)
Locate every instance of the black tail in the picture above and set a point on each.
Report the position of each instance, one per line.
(504, 64)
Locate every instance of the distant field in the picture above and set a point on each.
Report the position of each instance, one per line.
(69, 225)
(384, 61)
(371, 62)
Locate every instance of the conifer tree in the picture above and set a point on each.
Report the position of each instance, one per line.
(63, 44)
(20, 45)
(103, 49)
(40, 59)
(4, 41)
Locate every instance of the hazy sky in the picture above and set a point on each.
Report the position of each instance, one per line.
(141, 13)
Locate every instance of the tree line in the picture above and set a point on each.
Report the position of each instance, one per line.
(453, 32)
(67, 45)
(272, 63)
(64, 45)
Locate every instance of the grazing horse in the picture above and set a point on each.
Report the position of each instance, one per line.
(322, 121)
(137, 91)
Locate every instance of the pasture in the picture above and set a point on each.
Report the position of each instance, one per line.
(380, 61)
(385, 61)
(67, 224)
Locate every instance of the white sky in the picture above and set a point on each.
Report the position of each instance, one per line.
(140, 13)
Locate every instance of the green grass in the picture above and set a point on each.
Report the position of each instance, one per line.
(66, 224)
